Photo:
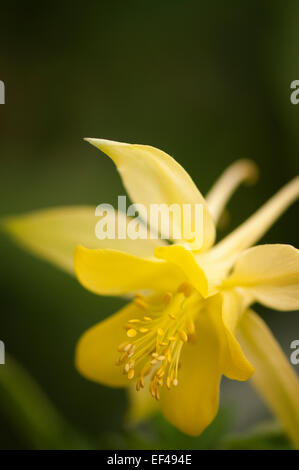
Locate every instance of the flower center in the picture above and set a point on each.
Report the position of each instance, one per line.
(157, 337)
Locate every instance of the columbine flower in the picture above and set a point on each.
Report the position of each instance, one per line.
(194, 324)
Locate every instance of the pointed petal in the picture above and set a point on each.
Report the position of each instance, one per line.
(235, 366)
(255, 227)
(270, 273)
(53, 234)
(193, 404)
(150, 176)
(274, 377)
(112, 272)
(237, 173)
(97, 354)
(185, 260)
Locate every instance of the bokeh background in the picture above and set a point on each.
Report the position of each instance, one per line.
(208, 82)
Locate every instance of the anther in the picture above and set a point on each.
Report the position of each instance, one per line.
(131, 333)
(147, 319)
(131, 374)
(139, 302)
(143, 330)
(190, 326)
(122, 346)
(183, 336)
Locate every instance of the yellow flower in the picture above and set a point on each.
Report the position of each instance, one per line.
(190, 320)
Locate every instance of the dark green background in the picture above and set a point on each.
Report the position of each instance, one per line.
(208, 82)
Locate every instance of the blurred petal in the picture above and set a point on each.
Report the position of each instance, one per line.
(274, 378)
(53, 234)
(150, 176)
(97, 353)
(237, 173)
(270, 273)
(185, 260)
(256, 226)
(193, 404)
(112, 272)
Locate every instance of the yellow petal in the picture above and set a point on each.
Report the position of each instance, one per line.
(240, 171)
(185, 260)
(274, 378)
(193, 404)
(255, 227)
(232, 308)
(235, 364)
(150, 176)
(97, 353)
(270, 273)
(53, 234)
(112, 272)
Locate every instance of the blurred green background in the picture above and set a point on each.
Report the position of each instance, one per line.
(208, 82)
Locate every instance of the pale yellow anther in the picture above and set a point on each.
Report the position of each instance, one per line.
(190, 326)
(131, 374)
(122, 357)
(160, 372)
(139, 302)
(131, 333)
(159, 340)
(183, 336)
(143, 330)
